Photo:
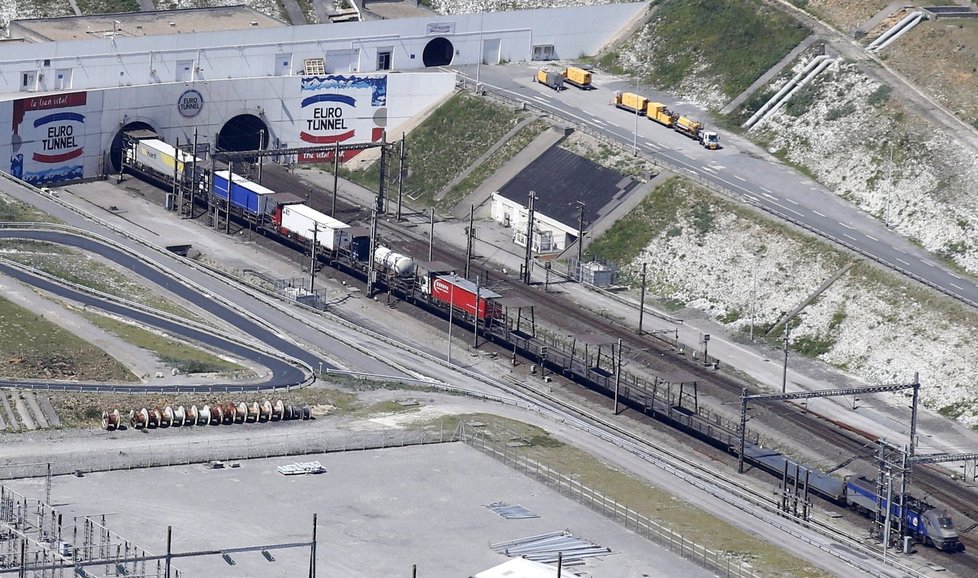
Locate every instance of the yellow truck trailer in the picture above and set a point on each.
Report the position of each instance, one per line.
(578, 77)
(631, 102)
(659, 113)
(551, 78)
(694, 129)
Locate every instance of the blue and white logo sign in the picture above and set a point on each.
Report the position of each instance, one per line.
(190, 104)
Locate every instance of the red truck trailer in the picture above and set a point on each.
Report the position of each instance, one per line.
(460, 293)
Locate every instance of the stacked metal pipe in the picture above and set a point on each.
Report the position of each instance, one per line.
(547, 547)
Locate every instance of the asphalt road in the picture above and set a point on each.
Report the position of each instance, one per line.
(283, 373)
(739, 167)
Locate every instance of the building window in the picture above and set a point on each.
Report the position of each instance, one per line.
(384, 59)
(314, 67)
(62, 79)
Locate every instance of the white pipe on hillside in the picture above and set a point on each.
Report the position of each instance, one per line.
(818, 69)
(784, 90)
(905, 29)
(893, 30)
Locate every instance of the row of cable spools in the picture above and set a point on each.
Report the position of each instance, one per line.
(216, 414)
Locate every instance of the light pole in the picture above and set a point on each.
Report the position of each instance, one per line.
(478, 62)
(753, 299)
(889, 188)
(451, 312)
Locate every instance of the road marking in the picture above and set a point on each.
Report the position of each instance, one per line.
(953, 275)
(718, 167)
(752, 197)
(928, 263)
(847, 226)
(740, 178)
(765, 190)
(541, 99)
(653, 145)
(819, 214)
(787, 208)
(871, 238)
(902, 261)
(848, 236)
(791, 201)
(597, 120)
(706, 168)
(956, 286)
(772, 197)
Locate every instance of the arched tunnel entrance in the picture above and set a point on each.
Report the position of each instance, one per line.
(438, 52)
(115, 151)
(245, 132)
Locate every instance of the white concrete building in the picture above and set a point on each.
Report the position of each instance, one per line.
(66, 103)
(549, 234)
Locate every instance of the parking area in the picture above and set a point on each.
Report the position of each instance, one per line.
(380, 512)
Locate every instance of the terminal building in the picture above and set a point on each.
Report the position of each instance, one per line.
(70, 87)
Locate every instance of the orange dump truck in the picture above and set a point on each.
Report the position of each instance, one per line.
(631, 102)
(659, 113)
(578, 77)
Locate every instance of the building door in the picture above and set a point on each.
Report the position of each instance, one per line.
(62, 79)
(385, 57)
(185, 70)
(283, 64)
(490, 51)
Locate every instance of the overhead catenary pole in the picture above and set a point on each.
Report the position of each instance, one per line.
(371, 271)
(641, 303)
(211, 192)
(475, 317)
(227, 213)
(784, 373)
(580, 232)
(451, 318)
(382, 187)
(753, 299)
(177, 189)
(400, 179)
(336, 178)
(431, 234)
(618, 376)
(193, 180)
(169, 550)
(529, 238)
(468, 241)
(743, 430)
(312, 262)
(261, 157)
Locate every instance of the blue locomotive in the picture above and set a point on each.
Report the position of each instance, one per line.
(924, 522)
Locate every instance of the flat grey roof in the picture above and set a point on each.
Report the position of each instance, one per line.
(150, 23)
(560, 179)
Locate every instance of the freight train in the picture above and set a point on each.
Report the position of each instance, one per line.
(638, 104)
(438, 286)
(286, 215)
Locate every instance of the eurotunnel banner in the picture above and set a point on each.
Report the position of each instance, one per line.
(48, 137)
(337, 109)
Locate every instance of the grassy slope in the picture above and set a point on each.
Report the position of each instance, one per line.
(623, 242)
(445, 144)
(33, 348)
(186, 358)
(734, 42)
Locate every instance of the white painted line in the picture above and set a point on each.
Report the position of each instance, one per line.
(766, 190)
(871, 238)
(752, 197)
(819, 214)
(928, 263)
(597, 120)
(847, 226)
(740, 178)
(790, 210)
(772, 197)
(902, 261)
(541, 99)
(706, 168)
(653, 145)
(791, 201)
(718, 167)
(848, 236)
(958, 287)
(953, 275)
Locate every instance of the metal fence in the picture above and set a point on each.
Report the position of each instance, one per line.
(608, 507)
(204, 449)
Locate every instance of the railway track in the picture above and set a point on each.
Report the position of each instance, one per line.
(656, 354)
